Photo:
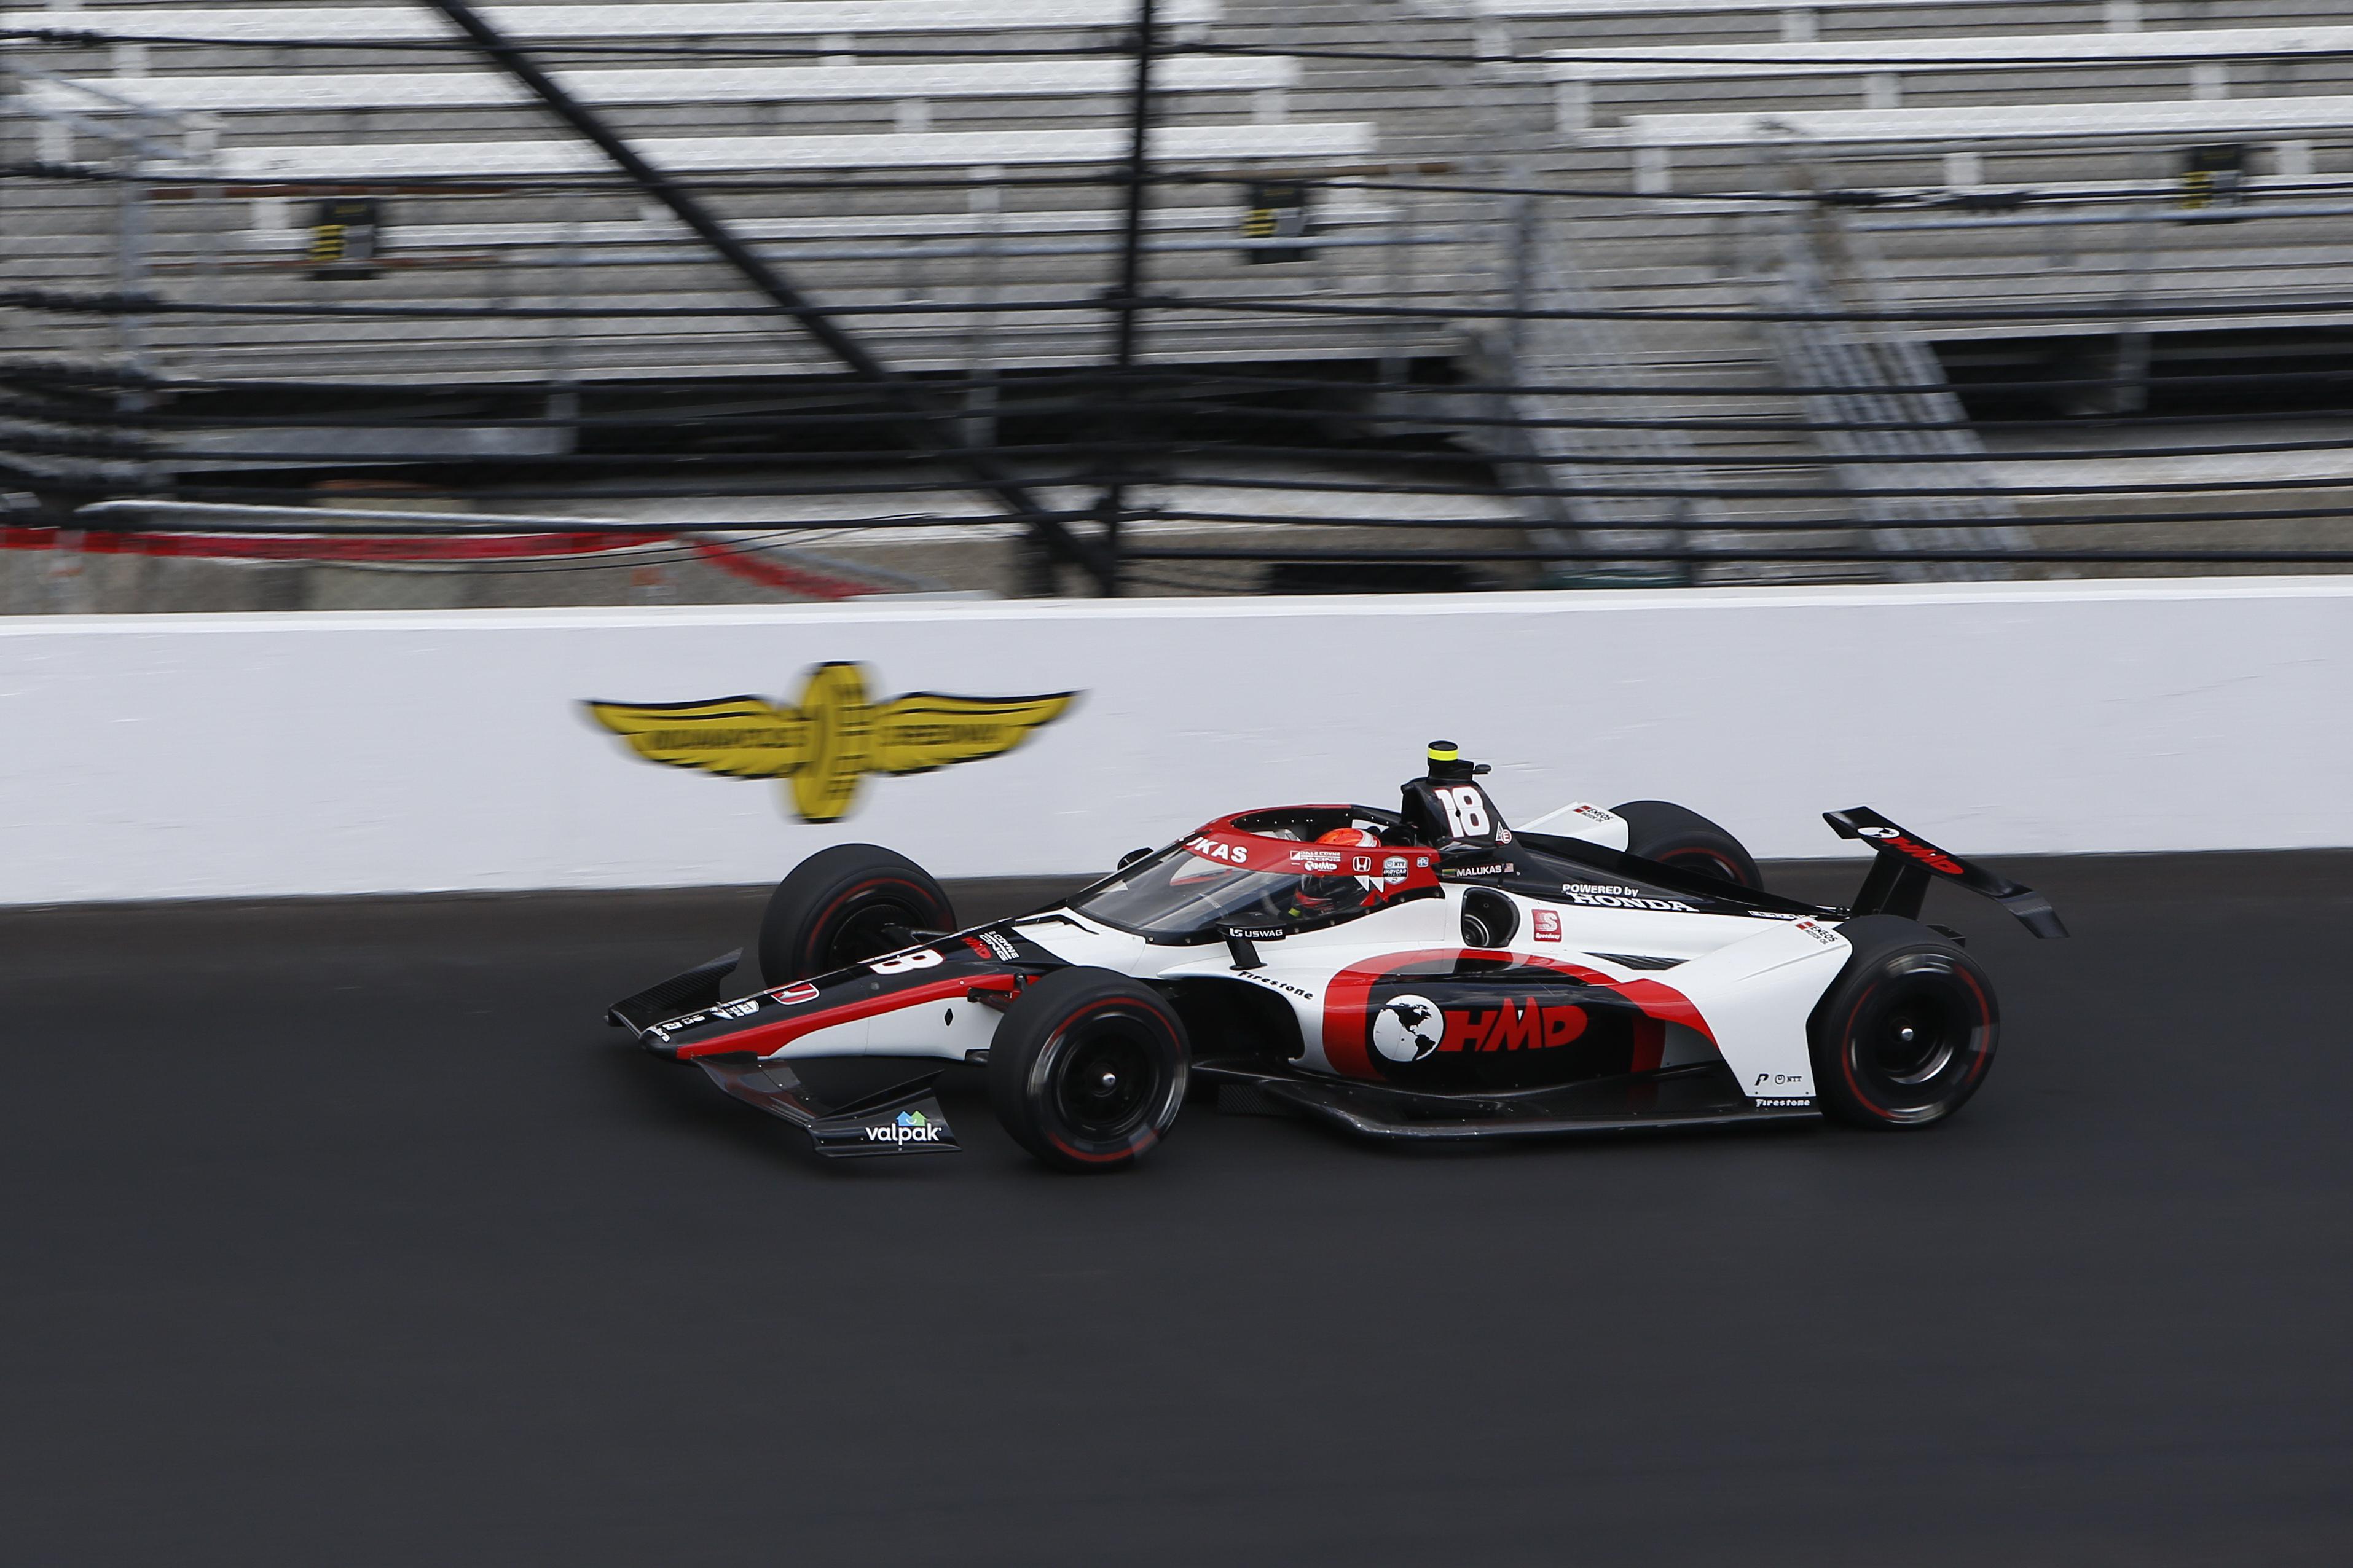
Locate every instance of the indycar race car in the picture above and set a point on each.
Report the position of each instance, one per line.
(1423, 973)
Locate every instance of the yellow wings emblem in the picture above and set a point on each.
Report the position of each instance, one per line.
(834, 738)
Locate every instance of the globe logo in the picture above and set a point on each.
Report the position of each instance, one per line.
(1408, 1029)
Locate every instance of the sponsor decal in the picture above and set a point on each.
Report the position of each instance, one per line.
(1595, 813)
(1611, 899)
(1794, 1103)
(1819, 932)
(1283, 985)
(1266, 934)
(1513, 1025)
(907, 1127)
(744, 1008)
(1408, 1029)
(1321, 864)
(1000, 944)
(1776, 1078)
(794, 995)
(1773, 915)
(1212, 849)
(822, 747)
(1934, 858)
(1545, 924)
(1363, 864)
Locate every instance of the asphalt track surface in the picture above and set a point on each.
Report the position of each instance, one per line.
(345, 1235)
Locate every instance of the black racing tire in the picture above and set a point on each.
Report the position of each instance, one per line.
(1676, 835)
(846, 904)
(1906, 1033)
(1087, 1070)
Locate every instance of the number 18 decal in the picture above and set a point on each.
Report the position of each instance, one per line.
(1466, 811)
(905, 961)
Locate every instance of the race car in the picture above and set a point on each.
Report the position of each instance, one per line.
(1423, 973)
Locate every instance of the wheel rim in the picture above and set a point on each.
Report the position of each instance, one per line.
(1107, 1078)
(878, 926)
(1706, 860)
(1917, 1040)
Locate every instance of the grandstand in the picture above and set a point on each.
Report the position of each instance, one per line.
(1663, 275)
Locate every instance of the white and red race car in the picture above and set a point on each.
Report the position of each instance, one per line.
(1422, 974)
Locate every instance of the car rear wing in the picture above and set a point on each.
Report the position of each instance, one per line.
(1905, 863)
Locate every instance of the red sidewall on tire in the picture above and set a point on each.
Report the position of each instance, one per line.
(1088, 1069)
(1676, 835)
(1909, 1031)
(844, 905)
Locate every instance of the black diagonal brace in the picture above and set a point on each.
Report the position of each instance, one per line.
(922, 425)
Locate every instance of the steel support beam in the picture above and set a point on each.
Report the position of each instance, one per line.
(922, 425)
(1128, 294)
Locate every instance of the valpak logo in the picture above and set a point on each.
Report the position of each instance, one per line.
(834, 738)
(907, 1127)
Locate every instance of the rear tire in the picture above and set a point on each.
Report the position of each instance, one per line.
(844, 905)
(1675, 836)
(1908, 1031)
(1087, 1070)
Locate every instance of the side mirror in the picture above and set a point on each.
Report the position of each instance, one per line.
(1132, 856)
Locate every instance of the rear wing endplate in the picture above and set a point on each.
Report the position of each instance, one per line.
(1906, 862)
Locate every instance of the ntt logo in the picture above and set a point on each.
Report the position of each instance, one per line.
(910, 1127)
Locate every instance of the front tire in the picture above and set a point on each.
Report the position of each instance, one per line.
(1908, 1031)
(1087, 1070)
(844, 905)
(1676, 835)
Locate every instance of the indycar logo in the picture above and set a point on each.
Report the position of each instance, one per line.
(833, 738)
(907, 1127)
(1934, 858)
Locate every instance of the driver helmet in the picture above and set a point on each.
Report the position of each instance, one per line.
(1318, 896)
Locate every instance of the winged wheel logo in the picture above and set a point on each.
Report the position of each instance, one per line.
(822, 748)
